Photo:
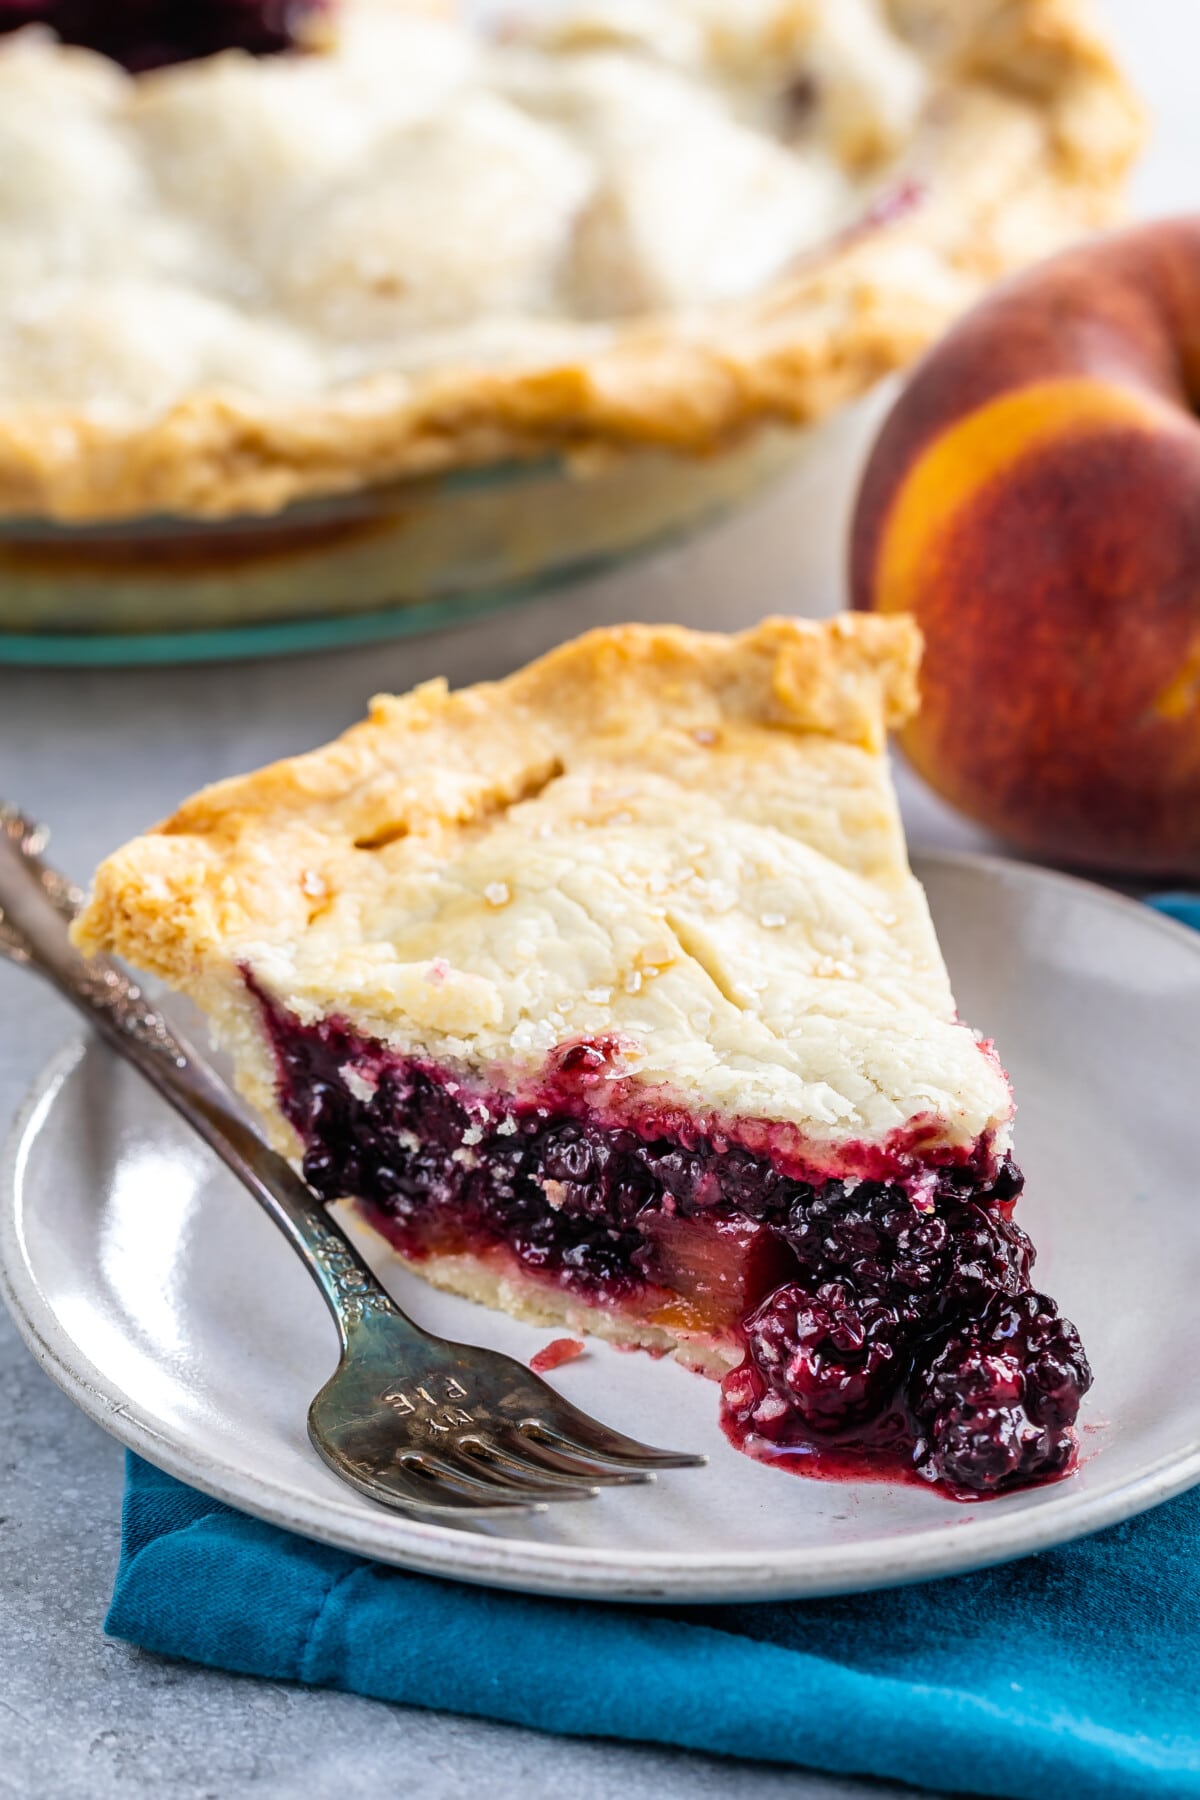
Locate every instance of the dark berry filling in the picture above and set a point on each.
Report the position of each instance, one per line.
(889, 1319)
(145, 34)
(923, 1342)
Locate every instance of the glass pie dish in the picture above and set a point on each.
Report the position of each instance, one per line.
(385, 561)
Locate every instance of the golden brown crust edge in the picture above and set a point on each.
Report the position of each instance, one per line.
(1036, 90)
(230, 860)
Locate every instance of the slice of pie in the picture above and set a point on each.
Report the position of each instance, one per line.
(606, 990)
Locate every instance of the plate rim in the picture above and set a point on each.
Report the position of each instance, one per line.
(572, 1571)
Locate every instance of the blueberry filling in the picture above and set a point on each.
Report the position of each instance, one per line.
(145, 34)
(878, 1321)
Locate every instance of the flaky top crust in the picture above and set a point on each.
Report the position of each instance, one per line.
(681, 844)
(1024, 144)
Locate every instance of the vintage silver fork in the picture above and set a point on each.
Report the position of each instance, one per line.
(411, 1420)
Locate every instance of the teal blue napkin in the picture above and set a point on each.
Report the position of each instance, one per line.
(1073, 1673)
(1184, 907)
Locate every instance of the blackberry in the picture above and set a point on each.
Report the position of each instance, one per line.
(991, 1256)
(877, 1240)
(928, 1265)
(994, 1400)
(826, 1360)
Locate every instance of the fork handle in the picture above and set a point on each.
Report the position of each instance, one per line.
(36, 908)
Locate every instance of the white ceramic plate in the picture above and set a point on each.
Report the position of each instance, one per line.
(157, 1296)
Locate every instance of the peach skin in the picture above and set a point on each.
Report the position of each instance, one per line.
(1034, 501)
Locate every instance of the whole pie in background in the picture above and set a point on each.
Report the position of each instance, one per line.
(407, 243)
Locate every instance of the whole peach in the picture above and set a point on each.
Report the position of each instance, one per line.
(1034, 500)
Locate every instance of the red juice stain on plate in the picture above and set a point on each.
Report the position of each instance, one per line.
(562, 1350)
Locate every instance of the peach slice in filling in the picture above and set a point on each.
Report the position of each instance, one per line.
(882, 1322)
